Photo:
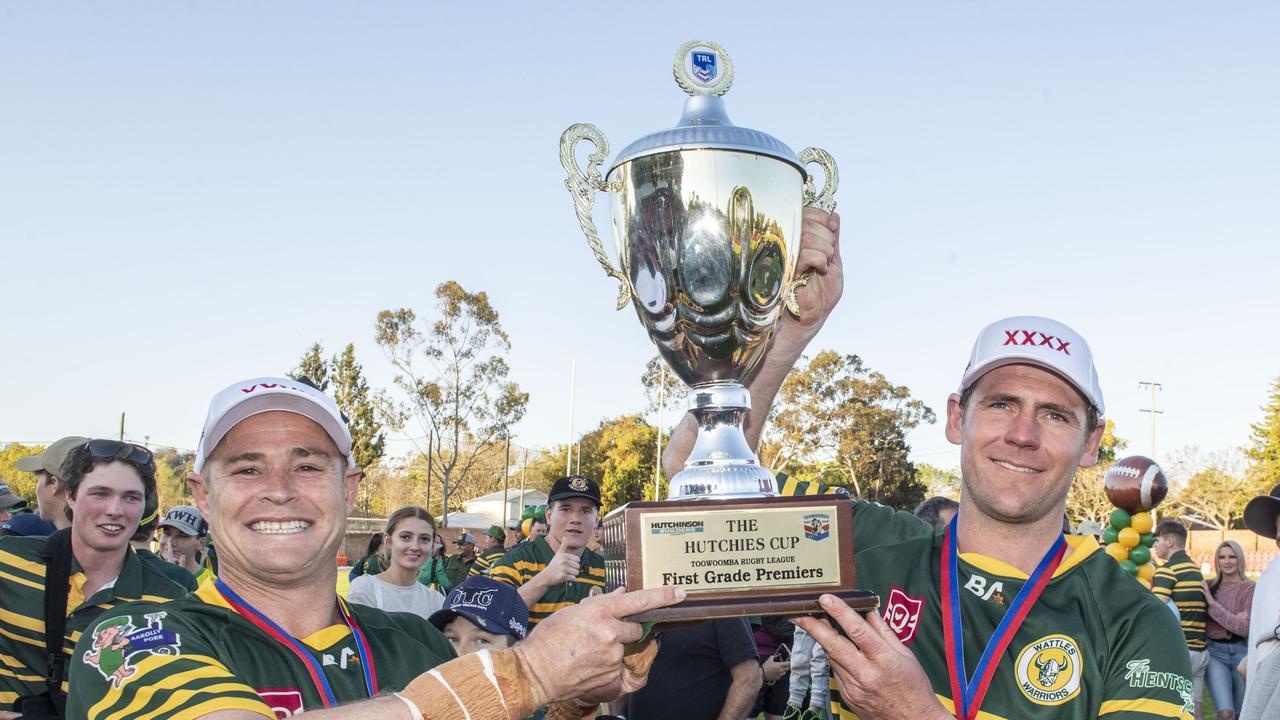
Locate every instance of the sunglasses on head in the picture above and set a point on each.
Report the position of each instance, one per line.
(116, 450)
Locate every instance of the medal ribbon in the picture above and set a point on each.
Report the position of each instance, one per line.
(314, 668)
(968, 694)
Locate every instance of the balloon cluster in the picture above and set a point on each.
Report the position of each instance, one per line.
(1128, 539)
(529, 514)
(1135, 485)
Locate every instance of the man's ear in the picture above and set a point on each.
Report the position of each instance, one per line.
(955, 419)
(199, 491)
(351, 486)
(1092, 444)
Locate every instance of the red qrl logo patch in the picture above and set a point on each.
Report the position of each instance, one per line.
(284, 702)
(1035, 338)
(902, 614)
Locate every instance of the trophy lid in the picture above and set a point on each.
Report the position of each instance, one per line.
(705, 71)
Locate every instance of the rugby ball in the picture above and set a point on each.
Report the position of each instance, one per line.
(1136, 484)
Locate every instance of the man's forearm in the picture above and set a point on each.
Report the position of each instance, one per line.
(747, 679)
(532, 591)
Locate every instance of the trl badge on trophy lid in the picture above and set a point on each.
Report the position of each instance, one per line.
(707, 218)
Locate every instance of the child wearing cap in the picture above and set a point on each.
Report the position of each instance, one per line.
(481, 614)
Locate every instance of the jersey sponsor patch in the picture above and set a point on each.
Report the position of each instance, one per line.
(902, 614)
(117, 641)
(1049, 670)
(1140, 675)
(979, 586)
(284, 702)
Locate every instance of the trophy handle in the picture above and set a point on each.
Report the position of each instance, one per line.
(584, 186)
(825, 201)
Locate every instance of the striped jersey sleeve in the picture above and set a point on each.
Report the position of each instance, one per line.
(486, 559)
(139, 662)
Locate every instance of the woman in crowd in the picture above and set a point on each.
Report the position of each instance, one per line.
(372, 562)
(1229, 597)
(410, 539)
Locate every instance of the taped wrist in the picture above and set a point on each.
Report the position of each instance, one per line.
(481, 686)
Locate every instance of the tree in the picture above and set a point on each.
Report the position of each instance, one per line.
(314, 367)
(620, 454)
(662, 388)
(454, 380)
(1213, 488)
(22, 484)
(172, 466)
(1264, 452)
(842, 423)
(342, 377)
(938, 481)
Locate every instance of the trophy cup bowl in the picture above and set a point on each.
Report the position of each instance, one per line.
(707, 220)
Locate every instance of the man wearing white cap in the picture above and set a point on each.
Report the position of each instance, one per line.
(269, 637)
(999, 613)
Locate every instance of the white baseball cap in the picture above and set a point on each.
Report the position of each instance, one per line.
(1035, 341)
(265, 394)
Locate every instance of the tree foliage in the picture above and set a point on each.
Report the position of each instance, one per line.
(620, 454)
(939, 481)
(1264, 449)
(841, 423)
(453, 379)
(22, 484)
(1212, 488)
(663, 390)
(343, 378)
(172, 467)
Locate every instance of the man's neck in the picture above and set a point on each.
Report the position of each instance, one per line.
(1021, 545)
(99, 567)
(301, 609)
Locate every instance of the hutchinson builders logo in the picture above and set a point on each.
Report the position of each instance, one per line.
(675, 527)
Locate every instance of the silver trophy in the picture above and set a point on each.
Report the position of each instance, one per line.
(707, 220)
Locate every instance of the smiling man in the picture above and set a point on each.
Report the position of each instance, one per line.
(558, 570)
(269, 637)
(105, 484)
(998, 615)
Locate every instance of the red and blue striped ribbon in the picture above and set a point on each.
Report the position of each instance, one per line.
(314, 668)
(968, 694)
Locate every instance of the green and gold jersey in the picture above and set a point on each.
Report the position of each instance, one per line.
(521, 563)
(197, 655)
(22, 573)
(1179, 580)
(486, 559)
(1096, 644)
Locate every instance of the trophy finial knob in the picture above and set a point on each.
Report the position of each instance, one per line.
(702, 67)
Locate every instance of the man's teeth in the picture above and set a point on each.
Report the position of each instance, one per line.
(272, 527)
(112, 527)
(1014, 468)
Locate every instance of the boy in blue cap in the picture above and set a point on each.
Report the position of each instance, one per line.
(482, 614)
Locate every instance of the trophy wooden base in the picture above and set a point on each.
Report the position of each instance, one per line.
(736, 557)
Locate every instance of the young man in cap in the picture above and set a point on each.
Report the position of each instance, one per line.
(10, 504)
(51, 499)
(183, 538)
(494, 547)
(270, 637)
(1085, 640)
(141, 543)
(1178, 581)
(106, 485)
(458, 565)
(1262, 677)
(558, 570)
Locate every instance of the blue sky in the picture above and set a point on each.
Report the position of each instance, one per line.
(191, 194)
